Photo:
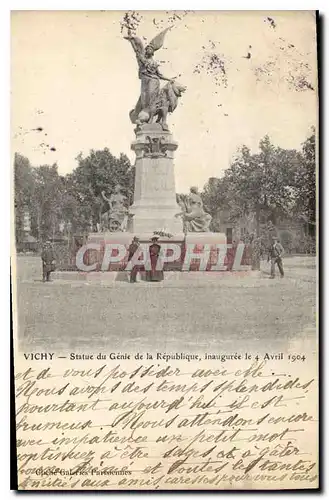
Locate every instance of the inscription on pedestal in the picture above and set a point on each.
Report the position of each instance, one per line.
(157, 178)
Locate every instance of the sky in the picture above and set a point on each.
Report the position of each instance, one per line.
(75, 77)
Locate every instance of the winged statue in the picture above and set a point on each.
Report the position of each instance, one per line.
(154, 102)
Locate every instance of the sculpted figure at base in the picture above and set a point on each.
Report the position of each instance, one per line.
(153, 101)
(195, 219)
(116, 218)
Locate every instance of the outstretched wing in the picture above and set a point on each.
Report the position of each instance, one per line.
(158, 40)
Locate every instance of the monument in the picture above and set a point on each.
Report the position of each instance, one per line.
(155, 204)
(155, 208)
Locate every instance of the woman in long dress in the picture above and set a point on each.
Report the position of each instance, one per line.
(154, 274)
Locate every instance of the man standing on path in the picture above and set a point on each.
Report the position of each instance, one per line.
(48, 261)
(275, 254)
(131, 251)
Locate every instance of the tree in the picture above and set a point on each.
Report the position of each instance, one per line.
(214, 197)
(305, 184)
(23, 192)
(46, 208)
(73, 200)
(261, 184)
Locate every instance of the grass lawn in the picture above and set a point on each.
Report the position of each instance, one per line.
(206, 313)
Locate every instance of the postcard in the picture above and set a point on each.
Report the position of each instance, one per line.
(164, 249)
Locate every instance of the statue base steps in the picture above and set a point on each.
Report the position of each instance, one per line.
(125, 238)
(215, 256)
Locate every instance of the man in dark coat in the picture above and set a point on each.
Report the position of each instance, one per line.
(133, 247)
(48, 261)
(276, 252)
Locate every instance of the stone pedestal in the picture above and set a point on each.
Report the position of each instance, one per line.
(96, 255)
(208, 238)
(197, 243)
(155, 205)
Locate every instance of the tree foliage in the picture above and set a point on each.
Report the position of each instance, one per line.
(305, 182)
(272, 183)
(72, 201)
(47, 201)
(23, 192)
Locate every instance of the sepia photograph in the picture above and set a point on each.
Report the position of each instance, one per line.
(164, 249)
